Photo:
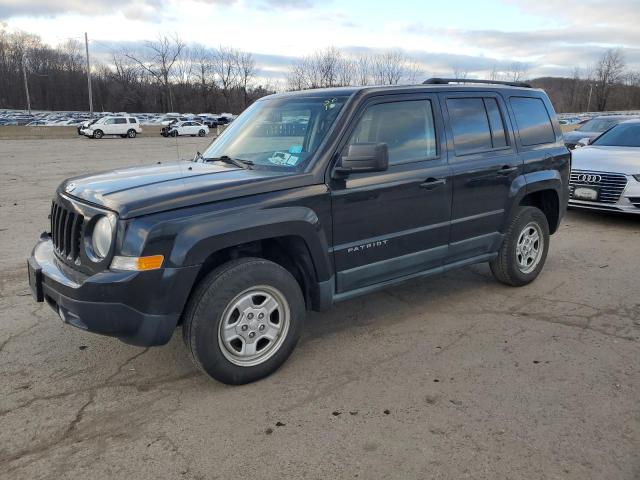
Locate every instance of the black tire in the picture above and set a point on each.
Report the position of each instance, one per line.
(505, 267)
(131, 133)
(174, 133)
(202, 133)
(98, 134)
(215, 295)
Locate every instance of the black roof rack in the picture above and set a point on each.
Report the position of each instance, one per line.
(444, 81)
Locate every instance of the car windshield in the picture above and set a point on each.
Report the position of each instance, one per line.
(598, 125)
(623, 135)
(278, 133)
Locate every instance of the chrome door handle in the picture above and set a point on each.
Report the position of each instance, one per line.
(431, 183)
(506, 170)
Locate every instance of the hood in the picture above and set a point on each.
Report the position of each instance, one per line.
(139, 191)
(624, 160)
(574, 135)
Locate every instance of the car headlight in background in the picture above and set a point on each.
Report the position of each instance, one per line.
(102, 237)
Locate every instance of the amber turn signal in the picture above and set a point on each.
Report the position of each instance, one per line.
(152, 262)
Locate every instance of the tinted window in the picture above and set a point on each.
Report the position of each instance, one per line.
(406, 127)
(121, 120)
(533, 121)
(597, 125)
(470, 125)
(623, 135)
(133, 120)
(498, 135)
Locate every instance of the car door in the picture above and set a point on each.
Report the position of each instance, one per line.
(120, 126)
(484, 165)
(108, 126)
(394, 223)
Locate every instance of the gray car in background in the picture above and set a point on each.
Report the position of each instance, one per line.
(593, 128)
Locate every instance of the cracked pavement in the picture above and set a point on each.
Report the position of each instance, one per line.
(454, 376)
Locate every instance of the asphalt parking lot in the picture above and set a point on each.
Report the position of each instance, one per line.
(450, 377)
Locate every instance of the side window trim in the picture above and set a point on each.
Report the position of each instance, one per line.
(395, 98)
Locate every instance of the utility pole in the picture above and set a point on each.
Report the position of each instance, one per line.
(86, 46)
(26, 84)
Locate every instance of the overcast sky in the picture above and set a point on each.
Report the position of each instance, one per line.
(551, 36)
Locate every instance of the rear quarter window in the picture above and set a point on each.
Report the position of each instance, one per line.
(533, 121)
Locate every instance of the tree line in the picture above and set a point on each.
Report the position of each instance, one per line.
(167, 74)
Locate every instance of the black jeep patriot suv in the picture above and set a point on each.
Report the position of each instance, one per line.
(308, 198)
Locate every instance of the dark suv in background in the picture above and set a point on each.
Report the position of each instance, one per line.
(308, 198)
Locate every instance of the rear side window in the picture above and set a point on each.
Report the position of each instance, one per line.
(121, 120)
(133, 120)
(470, 125)
(406, 127)
(533, 121)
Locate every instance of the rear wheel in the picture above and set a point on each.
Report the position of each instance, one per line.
(98, 134)
(131, 133)
(202, 133)
(244, 320)
(524, 248)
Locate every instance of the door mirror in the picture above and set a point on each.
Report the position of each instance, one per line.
(364, 157)
(583, 142)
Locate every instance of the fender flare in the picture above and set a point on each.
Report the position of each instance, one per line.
(199, 240)
(530, 183)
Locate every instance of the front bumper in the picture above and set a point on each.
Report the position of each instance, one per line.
(140, 308)
(629, 201)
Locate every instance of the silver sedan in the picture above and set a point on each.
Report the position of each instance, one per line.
(605, 175)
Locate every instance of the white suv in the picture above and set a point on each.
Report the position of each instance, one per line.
(113, 125)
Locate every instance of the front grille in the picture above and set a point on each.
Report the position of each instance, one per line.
(610, 185)
(66, 228)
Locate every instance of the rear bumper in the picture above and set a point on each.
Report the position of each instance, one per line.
(140, 308)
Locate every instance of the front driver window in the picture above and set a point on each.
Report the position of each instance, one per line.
(406, 127)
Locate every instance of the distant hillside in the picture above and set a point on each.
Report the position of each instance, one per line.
(572, 95)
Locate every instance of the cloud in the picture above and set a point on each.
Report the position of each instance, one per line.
(48, 8)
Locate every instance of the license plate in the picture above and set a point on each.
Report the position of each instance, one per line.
(35, 280)
(584, 193)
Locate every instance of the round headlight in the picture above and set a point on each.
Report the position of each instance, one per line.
(101, 237)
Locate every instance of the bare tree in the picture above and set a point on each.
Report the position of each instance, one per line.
(460, 72)
(246, 73)
(608, 71)
(495, 74)
(159, 59)
(388, 67)
(225, 69)
(516, 72)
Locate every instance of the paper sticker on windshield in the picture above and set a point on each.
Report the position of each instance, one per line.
(295, 149)
(284, 159)
(329, 104)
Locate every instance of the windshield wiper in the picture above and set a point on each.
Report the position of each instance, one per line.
(246, 164)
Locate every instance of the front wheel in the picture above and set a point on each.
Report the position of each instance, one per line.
(98, 134)
(174, 133)
(524, 248)
(244, 320)
(131, 133)
(202, 133)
